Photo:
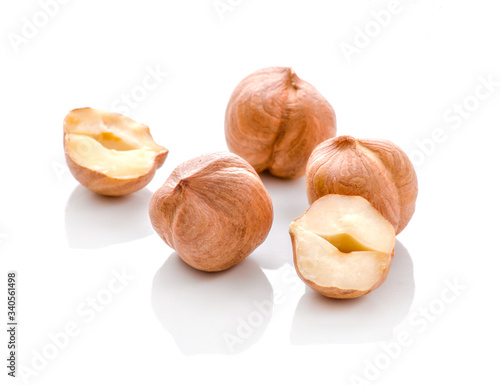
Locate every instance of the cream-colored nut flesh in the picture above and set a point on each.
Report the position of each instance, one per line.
(343, 247)
(109, 153)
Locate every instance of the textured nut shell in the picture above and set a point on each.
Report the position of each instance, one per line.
(213, 210)
(105, 185)
(335, 292)
(377, 170)
(274, 120)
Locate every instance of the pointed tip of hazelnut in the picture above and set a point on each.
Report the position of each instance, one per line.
(294, 79)
(345, 140)
(183, 183)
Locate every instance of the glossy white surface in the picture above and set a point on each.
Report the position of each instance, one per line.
(157, 321)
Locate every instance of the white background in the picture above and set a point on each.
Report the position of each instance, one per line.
(405, 83)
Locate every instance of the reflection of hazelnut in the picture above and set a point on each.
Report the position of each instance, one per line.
(377, 170)
(109, 153)
(342, 246)
(213, 210)
(274, 120)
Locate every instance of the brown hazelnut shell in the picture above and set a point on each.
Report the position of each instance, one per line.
(377, 170)
(274, 120)
(213, 210)
(106, 185)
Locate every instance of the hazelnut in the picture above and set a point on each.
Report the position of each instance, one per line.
(109, 153)
(342, 246)
(377, 170)
(213, 210)
(274, 120)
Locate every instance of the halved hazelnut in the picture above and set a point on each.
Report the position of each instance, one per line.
(109, 153)
(377, 170)
(342, 246)
(274, 120)
(213, 210)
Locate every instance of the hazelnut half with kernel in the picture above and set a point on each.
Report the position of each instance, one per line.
(109, 153)
(377, 170)
(274, 120)
(342, 246)
(213, 210)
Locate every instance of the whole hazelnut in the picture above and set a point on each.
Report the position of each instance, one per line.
(213, 210)
(274, 120)
(377, 170)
